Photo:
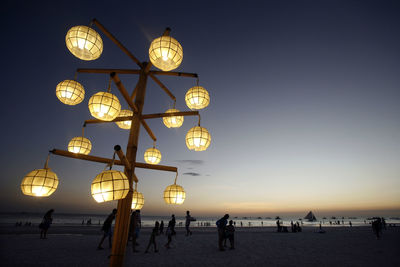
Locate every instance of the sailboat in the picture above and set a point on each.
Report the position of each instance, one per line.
(310, 217)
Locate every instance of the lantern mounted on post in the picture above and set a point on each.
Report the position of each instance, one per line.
(174, 194)
(80, 144)
(84, 43)
(152, 155)
(104, 105)
(197, 97)
(173, 121)
(70, 92)
(166, 53)
(125, 124)
(198, 138)
(137, 199)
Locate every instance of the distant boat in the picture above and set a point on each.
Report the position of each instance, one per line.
(310, 217)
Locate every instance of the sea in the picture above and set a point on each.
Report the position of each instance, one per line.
(65, 219)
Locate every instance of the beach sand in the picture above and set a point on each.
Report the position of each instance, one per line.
(76, 246)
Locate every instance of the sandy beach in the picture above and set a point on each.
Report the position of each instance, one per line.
(76, 246)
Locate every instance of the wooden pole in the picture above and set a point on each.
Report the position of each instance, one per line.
(124, 205)
(123, 91)
(163, 87)
(174, 73)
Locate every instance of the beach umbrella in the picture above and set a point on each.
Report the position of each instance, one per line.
(197, 97)
(70, 92)
(174, 194)
(84, 43)
(165, 53)
(152, 155)
(173, 121)
(125, 124)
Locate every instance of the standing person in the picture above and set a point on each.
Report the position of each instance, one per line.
(132, 230)
(153, 238)
(107, 231)
(221, 225)
(230, 234)
(45, 224)
(278, 224)
(187, 223)
(376, 227)
(173, 222)
(161, 227)
(168, 233)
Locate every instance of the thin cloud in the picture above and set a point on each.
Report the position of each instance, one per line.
(191, 161)
(191, 173)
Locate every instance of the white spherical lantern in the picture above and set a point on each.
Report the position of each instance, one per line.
(198, 138)
(137, 200)
(173, 121)
(125, 124)
(39, 183)
(110, 185)
(84, 43)
(166, 53)
(80, 145)
(70, 92)
(174, 194)
(104, 106)
(152, 155)
(197, 98)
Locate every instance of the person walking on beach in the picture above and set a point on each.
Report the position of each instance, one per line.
(45, 224)
(221, 225)
(377, 227)
(152, 240)
(161, 227)
(133, 233)
(169, 233)
(230, 234)
(107, 231)
(173, 223)
(187, 223)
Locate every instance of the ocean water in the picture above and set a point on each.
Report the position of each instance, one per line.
(147, 221)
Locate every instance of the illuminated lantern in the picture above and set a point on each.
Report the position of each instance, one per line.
(70, 92)
(173, 121)
(174, 194)
(137, 200)
(198, 139)
(152, 155)
(125, 124)
(80, 145)
(104, 106)
(166, 53)
(197, 98)
(84, 43)
(110, 185)
(39, 183)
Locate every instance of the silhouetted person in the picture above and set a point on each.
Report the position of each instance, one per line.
(107, 231)
(152, 240)
(278, 224)
(383, 223)
(45, 224)
(377, 227)
(173, 223)
(133, 233)
(230, 234)
(187, 223)
(298, 227)
(221, 225)
(162, 227)
(351, 225)
(291, 226)
(169, 233)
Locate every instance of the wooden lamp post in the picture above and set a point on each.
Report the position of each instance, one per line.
(165, 53)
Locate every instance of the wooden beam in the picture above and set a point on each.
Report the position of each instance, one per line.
(174, 73)
(162, 86)
(156, 167)
(118, 43)
(161, 115)
(148, 130)
(120, 71)
(122, 157)
(166, 33)
(123, 91)
(128, 118)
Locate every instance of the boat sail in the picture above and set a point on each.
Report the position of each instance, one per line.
(310, 217)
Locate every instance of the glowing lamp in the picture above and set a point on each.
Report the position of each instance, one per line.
(197, 98)
(137, 200)
(104, 106)
(70, 92)
(174, 194)
(198, 138)
(110, 185)
(152, 155)
(39, 183)
(173, 121)
(125, 124)
(166, 53)
(80, 145)
(84, 43)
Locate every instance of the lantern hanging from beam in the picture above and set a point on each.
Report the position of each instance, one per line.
(40, 182)
(125, 124)
(80, 145)
(198, 138)
(174, 194)
(173, 121)
(84, 43)
(137, 200)
(152, 155)
(70, 92)
(104, 106)
(166, 53)
(110, 185)
(197, 98)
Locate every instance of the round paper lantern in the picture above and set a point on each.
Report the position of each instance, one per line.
(104, 106)
(70, 92)
(39, 183)
(173, 121)
(110, 185)
(197, 98)
(174, 194)
(137, 200)
(80, 145)
(152, 156)
(125, 124)
(198, 138)
(166, 53)
(84, 43)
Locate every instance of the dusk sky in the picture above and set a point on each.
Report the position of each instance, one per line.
(304, 113)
